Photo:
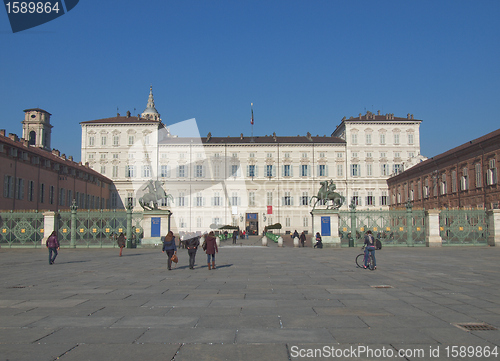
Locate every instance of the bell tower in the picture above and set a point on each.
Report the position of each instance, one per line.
(37, 128)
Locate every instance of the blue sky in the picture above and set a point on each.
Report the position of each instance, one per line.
(304, 65)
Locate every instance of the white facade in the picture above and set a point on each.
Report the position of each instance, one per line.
(249, 182)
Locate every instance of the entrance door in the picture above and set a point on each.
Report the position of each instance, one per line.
(252, 224)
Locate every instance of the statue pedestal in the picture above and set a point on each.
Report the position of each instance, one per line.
(326, 222)
(156, 224)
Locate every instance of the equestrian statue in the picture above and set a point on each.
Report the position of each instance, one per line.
(155, 193)
(327, 193)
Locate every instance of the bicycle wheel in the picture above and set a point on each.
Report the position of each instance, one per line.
(360, 260)
(371, 263)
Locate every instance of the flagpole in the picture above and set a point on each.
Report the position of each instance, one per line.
(251, 121)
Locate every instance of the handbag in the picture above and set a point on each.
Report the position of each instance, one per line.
(174, 258)
(204, 245)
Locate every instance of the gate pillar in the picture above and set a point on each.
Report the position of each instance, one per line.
(494, 227)
(49, 225)
(432, 236)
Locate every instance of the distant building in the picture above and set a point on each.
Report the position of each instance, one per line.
(35, 178)
(463, 177)
(244, 181)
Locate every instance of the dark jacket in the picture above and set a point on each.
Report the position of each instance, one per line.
(192, 243)
(369, 241)
(52, 242)
(169, 245)
(121, 240)
(302, 237)
(211, 245)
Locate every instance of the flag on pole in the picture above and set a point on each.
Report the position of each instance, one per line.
(251, 120)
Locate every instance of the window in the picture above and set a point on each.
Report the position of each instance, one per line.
(382, 138)
(198, 222)
(368, 154)
(396, 168)
(20, 189)
(304, 155)
(492, 172)
(31, 191)
(182, 224)
(216, 200)
(217, 155)
(130, 140)
(181, 200)
(199, 171)
(396, 138)
(91, 141)
(384, 169)
(340, 155)
(340, 170)
(354, 154)
(164, 156)
(287, 199)
(130, 171)
(354, 138)
(235, 155)
(368, 138)
(69, 198)
(305, 221)
(322, 154)
(383, 198)
(410, 139)
(287, 222)
(216, 169)
(453, 181)
(115, 171)
(131, 156)
(355, 198)
(164, 171)
(199, 200)
(182, 155)
(91, 155)
(464, 183)
(114, 200)
(42, 193)
(181, 171)
(269, 170)
(269, 155)
(146, 139)
(369, 171)
(103, 169)
(269, 199)
(61, 196)
(234, 170)
(287, 155)
(287, 170)
(51, 194)
(383, 155)
(115, 156)
(322, 170)
(411, 155)
(146, 171)
(355, 171)
(146, 155)
(103, 140)
(251, 170)
(116, 140)
(443, 184)
(304, 170)
(477, 168)
(234, 199)
(252, 155)
(8, 187)
(251, 199)
(304, 200)
(370, 199)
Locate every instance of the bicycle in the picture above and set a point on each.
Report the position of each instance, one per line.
(360, 260)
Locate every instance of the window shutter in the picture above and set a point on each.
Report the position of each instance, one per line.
(273, 170)
(248, 171)
(282, 201)
(291, 170)
(256, 171)
(282, 170)
(291, 201)
(309, 170)
(326, 170)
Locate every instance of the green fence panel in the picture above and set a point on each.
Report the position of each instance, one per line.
(463, 227)
(21, 229)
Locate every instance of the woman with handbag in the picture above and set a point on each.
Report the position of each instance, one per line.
(169, 247)
(210, 247)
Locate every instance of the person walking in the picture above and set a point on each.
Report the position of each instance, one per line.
(369, 248)
(192, 246)
(121, 242)
(211, 249)
(52, 244)
(302, 238)
(169, 247)
(319, 243)
(235, 234)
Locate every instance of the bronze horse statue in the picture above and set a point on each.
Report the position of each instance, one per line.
(156, 192)
(327, 193)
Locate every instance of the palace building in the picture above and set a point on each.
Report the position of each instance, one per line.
(245, 181)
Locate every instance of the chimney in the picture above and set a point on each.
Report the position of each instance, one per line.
(408, 116)
(25, 142)
(13, 137)
(86, 164)
(274, 136)
(63, 156)
(411, 115)
(309, 136)
(378, 112)
(128, 113)
(359, 116)
(241, 136)
(56, 152)
(117, 114)
(209, 136)
(2, 132)
(70, 158)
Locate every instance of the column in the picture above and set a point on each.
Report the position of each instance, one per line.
(432, 236)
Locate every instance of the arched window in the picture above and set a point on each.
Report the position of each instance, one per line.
(32, 138)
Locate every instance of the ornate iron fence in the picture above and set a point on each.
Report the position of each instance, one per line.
(393, 228)
(463, 227)
(21, 229)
